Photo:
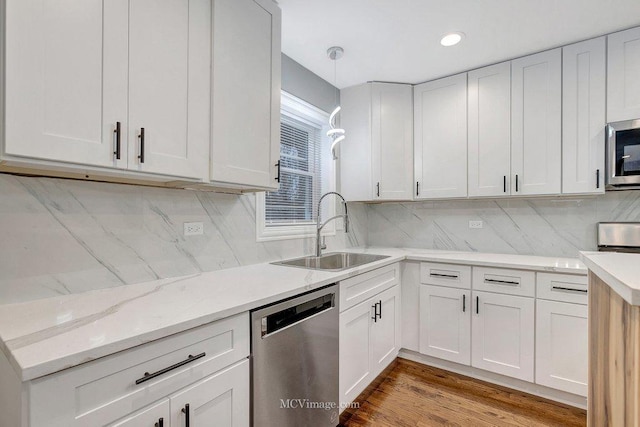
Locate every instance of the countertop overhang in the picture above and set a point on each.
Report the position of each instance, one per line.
(621, 271)
(46, 336)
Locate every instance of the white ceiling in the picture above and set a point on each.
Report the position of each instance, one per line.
(399, 40)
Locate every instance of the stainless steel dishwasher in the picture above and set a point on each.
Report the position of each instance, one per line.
(294, 353)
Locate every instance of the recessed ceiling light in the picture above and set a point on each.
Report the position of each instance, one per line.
(451, 39)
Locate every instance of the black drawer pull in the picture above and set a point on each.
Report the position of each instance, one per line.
(501, 282)
(160, 423)
(446, 276)
(186, 411)
(148, 376)
(562, 288)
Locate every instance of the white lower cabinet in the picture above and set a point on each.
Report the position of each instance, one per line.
(221, 400)
(503, 334)
(369, 341)
(445, 323)
(156, 415)
(562, 346)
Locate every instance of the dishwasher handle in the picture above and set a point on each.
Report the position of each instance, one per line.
(298, 313)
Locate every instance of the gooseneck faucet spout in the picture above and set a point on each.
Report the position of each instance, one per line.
(319, 227)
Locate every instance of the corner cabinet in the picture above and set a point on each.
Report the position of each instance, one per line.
(536, 124)
(376, 160)
(245, 146)
(584, 81)
(623, 85)
(440, 138)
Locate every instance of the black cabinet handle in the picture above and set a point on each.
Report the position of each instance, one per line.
(562, 288)
(501, 282)
(375, 312)
(445, 276)
(417, 188)
(464, 303)
(378, 189)
(477, 305)
(278, 175)
(380, 312)
(141, 138)
(504, 183)
(185, 411)
(160, 423)
(516, 183)
(117, 132)
(597, 178)
(148, 376)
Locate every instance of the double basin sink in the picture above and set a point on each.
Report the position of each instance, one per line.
(336, 261)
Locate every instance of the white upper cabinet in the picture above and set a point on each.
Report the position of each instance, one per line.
(66, 80)
(583, 116)
(84, 78)
(246, 93)
(623, 89)
(170, 86)
(376, 160)
(490, 130)
(536, 125)
(440, 138)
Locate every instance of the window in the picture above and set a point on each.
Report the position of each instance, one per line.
(306, 172)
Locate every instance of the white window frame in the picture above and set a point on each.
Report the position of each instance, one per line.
(305, 112)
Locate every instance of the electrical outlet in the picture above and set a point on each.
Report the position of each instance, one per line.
(475, 224)
(193, 228)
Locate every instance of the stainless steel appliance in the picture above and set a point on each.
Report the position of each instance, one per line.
(294, 352)
(619, 236)
(623, 155)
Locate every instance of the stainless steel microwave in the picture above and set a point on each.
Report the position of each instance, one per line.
(623, 154)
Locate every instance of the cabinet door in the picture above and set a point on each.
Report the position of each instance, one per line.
(503, 334)
(583, 116)
(536, 126)
(385, 331)
(221, 400)
(169, 86)
(623, 85)
(355, 344)
(562, 346)
(440, 123)
(392, 141)
(445, 323)
(157, 415)
(246, 92)
(490, 130)
(66, 80)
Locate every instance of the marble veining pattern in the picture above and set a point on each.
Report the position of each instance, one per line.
(63, 237)
(554, 226)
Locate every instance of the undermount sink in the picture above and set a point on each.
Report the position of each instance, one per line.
(333, 261)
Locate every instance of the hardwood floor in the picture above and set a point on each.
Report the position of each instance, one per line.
(415, 395)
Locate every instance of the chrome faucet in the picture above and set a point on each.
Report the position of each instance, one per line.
(319, 227)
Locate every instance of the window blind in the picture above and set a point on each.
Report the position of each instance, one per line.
(300, 175)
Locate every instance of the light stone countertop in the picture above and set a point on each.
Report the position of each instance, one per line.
(621, 271)
(45, 336)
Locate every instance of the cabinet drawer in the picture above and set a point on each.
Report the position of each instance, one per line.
(503, 281)
(360, 288)
(562, 287)
(451, 275)
(104, 390)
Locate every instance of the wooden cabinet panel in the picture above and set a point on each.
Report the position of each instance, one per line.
(246, 92)
(583, 116)
(623, 85)
(440, 138)
(490, 130)
(536, 126)
(445, 323)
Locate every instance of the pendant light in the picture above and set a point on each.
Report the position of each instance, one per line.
(334, 53)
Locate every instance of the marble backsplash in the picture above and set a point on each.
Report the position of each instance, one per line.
(64, 236)
(554, 226)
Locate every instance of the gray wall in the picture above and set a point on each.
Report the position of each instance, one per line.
(304, 84)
